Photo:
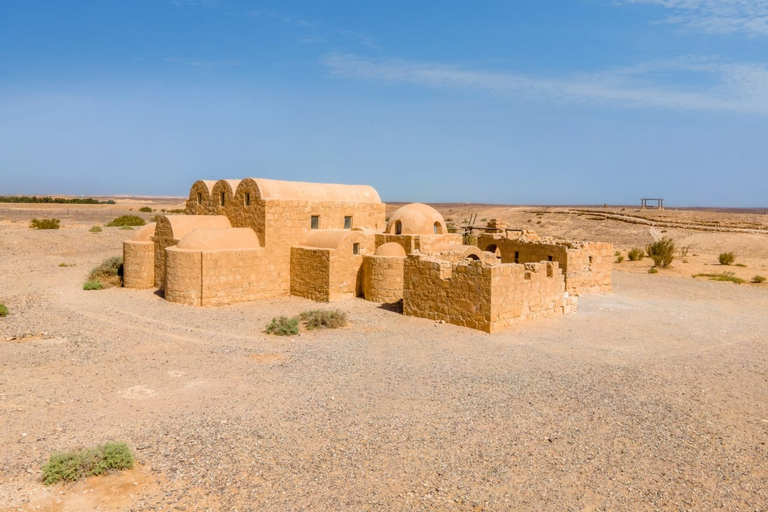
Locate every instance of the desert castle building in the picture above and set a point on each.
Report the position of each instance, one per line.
(251, 239)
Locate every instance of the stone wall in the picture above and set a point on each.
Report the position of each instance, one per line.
(311, 273)
(383, 278)
(210, 278)
(586, 265)
(138, 264)
(200, 201)
(483, 296)
(422, 243)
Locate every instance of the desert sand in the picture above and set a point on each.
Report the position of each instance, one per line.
(652, 397)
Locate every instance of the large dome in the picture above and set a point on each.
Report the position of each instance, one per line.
(416, 219)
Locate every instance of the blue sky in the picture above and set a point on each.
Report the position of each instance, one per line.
(517, 101)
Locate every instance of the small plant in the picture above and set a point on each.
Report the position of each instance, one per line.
(4, 309)
(283, 326)
(617, 253)
(726, 258)
(126, 220)
(619, 258)
(653, 270)
(64, 264)
(95, 229)
(662, 252)
(724, 276)
(323, 319)
(109, 272)
(145, 209)
(72, 466)
(92, 285)
(483, 220)
(636, 254)
(756, 280)
(128, 228)
(45, 224)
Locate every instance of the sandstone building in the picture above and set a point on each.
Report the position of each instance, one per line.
(251, 239)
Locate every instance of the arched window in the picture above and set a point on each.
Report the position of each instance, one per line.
(398, 227)
(437, 228)
(473, 257)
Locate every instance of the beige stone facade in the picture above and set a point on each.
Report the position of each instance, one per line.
(251, 239)
(586, 265)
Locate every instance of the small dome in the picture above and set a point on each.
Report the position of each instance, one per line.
(416, 219)
(390, 249)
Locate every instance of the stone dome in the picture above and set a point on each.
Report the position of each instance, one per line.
(416, 219)
(391, 249)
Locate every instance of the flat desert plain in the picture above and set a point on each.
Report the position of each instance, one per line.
(652, 397)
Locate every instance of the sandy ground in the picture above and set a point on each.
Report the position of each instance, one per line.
(654, 397)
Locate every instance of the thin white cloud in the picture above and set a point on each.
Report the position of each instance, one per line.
(749, 17)
(669, 84)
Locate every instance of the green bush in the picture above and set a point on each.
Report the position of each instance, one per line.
(71, 466)
(95, 229)
(636, 254)
(92, 285)
(107, 273)
(145, 209)
(323, 319)
(726, 258)
(653, 270)
(619, 258)
(45, 223)
(127, 220)
(725, 276)
(3, 309)
(756, 280)
(662, 252)
(283, 326)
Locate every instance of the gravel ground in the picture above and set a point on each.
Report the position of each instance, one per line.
(654, 397)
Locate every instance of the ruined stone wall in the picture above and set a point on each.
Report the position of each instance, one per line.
(383, 278)
(210, 278)
(138, 264)
(311, 273)
(585, 265)
(422, 243)
(487, 297)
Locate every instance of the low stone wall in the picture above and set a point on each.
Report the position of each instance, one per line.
(138, 264)
(208, 278)
(383, 278)
(586, 265)
(483, 296)
(422, 243)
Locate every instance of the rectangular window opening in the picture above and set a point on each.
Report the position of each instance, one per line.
(517, 256)
(348, 222)
(315, 222)
(199, 198)
(355, 248)
(247, 199)
(223, 197)
(549, 258)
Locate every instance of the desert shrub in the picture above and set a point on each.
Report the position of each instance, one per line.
(128, 228)
(636, 254)
(653, 270)
(283, 326)
(724, 276)
(726, 258)
(92, 285)
(65, 264)
(619, 258)
(45, 223)
(71, 466)
(617, 253)
(109, 272)
(756, 280)
(323, 319)
(4, 309)
(95, 229)
(111, 201)
(145, 209)
(178, 211)
(127, 220)
(662, 252)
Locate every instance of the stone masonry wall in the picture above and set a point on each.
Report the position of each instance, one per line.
(483, 296)
(383, 278)
(311, 273)
(138, 264)
(585, 265)
(422, 243)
